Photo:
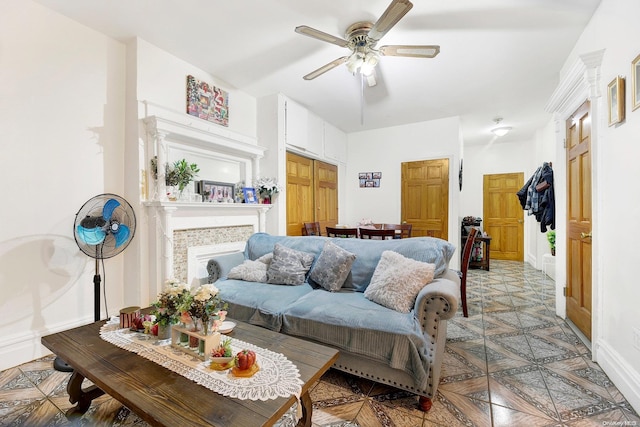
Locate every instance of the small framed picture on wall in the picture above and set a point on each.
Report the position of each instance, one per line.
(635, 83)
(615, 98)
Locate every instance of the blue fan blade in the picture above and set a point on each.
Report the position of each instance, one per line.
(91, 236)
(109, 207)
(121, 235)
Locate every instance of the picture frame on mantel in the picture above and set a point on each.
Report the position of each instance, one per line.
(615, 96)
(216, 192)
(635, 83)
(249, 195)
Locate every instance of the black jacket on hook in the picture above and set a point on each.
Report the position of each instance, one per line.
(539, 200)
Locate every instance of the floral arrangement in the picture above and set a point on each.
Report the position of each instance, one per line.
(206, 305)
(171, 302)
(267, 186)
(238, 190)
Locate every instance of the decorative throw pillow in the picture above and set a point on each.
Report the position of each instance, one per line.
(289, 266)
(397, 281)
(266, 258)
(250, 271)
(333, 267)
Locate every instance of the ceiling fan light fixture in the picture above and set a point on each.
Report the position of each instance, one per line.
(369, 63)
(500, 130)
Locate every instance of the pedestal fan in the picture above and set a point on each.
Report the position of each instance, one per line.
(103, 227)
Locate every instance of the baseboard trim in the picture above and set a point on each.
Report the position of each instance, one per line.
(24, 347)
(626, 379)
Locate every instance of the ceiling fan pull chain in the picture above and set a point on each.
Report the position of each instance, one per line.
(361, 99)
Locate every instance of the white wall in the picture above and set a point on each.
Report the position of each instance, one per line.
(162, 79)
(384, 150)
(616, 174)
(62, 125)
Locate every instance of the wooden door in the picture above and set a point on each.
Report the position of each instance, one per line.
(325, 194)
(300, 205)
(579, 219)
(503, 217)
(425, 197)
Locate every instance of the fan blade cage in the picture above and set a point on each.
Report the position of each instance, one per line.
(425, 51)
(104, 226)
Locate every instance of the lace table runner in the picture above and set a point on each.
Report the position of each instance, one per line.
(277, 377)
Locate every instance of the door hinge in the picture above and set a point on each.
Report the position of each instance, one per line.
(564, 143)
(564, 291)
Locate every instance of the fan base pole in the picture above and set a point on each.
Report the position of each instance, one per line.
(96, 301)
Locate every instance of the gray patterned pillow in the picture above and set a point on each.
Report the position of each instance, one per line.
(288, 267)
(250, 271)
(397, 281)
(333, 267)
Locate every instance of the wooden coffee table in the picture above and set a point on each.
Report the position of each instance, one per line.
(164, 398)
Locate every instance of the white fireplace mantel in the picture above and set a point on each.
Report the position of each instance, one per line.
(167, 129)
(167, 217)
(170, 130)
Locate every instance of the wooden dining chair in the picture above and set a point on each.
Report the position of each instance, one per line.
(342, 232)
(404, 229)
(311, 229)
(464, 267)
(369, 233)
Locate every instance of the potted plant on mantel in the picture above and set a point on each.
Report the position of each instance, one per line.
(179, 175)
(551, 238)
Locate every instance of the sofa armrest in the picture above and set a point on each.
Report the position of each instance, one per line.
(218, 267)
(441, 295)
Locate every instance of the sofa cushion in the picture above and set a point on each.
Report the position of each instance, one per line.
(289, 266)
(259, 303)
(397, 280)
(350, 322)
(332, 267)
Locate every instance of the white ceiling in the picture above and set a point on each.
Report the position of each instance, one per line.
(497, 58)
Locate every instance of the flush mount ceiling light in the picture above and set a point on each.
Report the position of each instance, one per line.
(500, 130)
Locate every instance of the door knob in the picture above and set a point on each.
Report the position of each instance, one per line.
(520, 221)
(585, 235)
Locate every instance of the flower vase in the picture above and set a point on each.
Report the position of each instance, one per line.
(266, 200)
(193, 340)
(184, 338)
(164, 332)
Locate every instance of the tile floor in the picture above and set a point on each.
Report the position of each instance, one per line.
(512, 362)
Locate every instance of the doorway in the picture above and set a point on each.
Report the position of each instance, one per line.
(503, 215)
(579, 219)
(425, 197)
(312, 193)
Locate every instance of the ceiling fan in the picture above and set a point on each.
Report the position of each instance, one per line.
(361, 39)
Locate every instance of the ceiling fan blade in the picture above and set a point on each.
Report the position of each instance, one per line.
(410, 51)
(394, 13)
(320, 35)
(330, 66)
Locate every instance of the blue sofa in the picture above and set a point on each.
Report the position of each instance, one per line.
(404, 350)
